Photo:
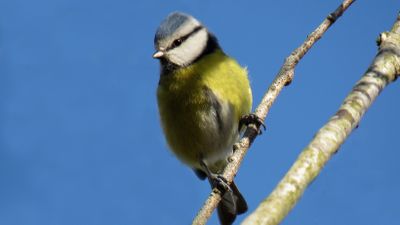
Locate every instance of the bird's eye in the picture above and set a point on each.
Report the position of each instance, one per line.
(177, 42)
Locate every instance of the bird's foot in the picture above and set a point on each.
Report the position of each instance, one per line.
(220, 183)
(216, 180)
(252, 119)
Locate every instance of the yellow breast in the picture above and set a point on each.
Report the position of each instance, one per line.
(187, 113)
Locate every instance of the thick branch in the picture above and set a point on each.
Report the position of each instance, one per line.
(383, 70)
(283, 78)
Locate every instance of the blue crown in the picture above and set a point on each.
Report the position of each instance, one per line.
(170, 25)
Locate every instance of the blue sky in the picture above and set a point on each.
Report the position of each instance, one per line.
(80, 140)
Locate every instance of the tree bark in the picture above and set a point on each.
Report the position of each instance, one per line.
(384, 69)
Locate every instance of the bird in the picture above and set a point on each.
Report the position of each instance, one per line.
(204, 101)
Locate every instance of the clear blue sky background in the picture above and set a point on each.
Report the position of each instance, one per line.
(80, 140)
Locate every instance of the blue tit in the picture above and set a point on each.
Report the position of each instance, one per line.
(202, 95)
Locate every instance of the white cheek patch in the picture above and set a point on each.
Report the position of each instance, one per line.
(190, 49)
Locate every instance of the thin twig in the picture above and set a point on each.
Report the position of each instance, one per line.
(384, 69)
(284, 77)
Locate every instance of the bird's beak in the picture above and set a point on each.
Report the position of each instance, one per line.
(158, 54)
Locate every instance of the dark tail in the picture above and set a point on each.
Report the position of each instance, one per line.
(232, 204)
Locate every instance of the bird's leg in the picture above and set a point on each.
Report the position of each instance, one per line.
(216, 180)
(252, 119)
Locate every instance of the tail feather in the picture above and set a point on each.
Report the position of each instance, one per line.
(241, 204)
(232, 204)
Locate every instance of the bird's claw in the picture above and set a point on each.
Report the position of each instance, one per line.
(252, 119)
(219, 182)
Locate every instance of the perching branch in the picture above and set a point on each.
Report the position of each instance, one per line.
(284, 77)
(384, 69)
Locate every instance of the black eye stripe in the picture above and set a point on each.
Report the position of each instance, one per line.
(180, 40)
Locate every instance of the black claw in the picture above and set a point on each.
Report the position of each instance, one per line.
(216, 180)
(220, 183)
(252, 119)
